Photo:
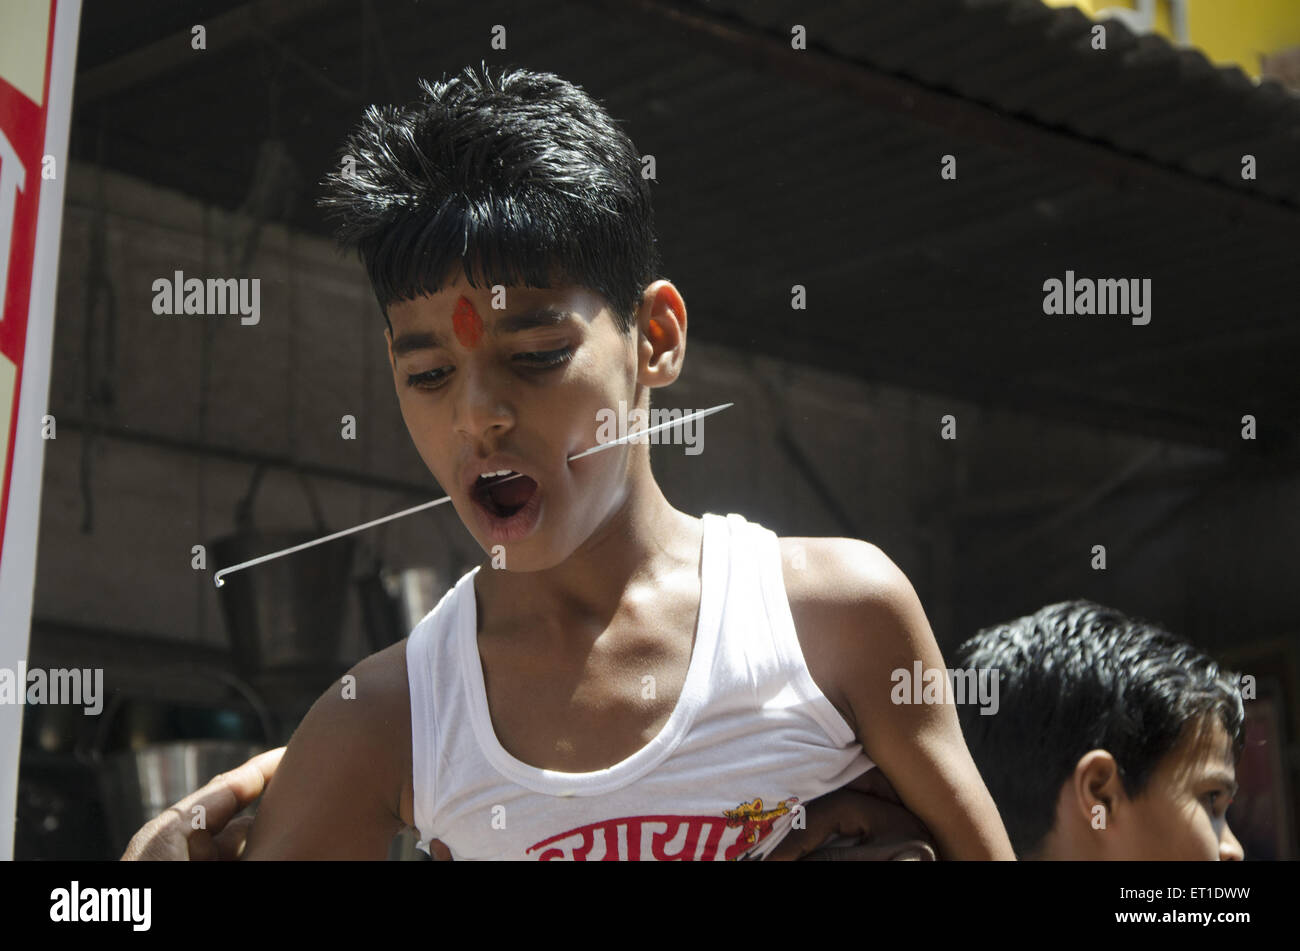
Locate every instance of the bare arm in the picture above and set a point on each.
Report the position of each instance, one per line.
(336, 792)
(878, 626)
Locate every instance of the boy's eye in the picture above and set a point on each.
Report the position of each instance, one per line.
(429, 379)
(546, 358)
(537, 359)
(1217, 801)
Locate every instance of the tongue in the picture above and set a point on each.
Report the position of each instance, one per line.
(513, 492)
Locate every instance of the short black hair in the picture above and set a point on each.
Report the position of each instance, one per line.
(1074, 677)
(521, 178)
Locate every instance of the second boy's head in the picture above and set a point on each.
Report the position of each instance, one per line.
(509, 237)
(1113, 739)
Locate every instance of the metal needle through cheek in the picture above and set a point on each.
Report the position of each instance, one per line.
(638, 434)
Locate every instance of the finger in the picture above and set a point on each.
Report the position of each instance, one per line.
(916, 851)
(250, 780)
(850, 814)
(158, 840)
(797, 845)
(231, 840)
(230, 792)
(913, 850)
(815, 831)
(847, 813)
(875, 819)
(866, 818)
(200, 846)
(874, 783)
(164, 838)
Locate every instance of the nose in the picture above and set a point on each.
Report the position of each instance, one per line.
(1230, 850)
(482, 410)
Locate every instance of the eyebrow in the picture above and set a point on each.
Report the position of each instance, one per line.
(514, 323)
(1225, 778)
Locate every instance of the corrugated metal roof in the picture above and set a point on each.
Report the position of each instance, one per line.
(1140, 94)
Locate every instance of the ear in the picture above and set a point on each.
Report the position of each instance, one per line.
(1094, 800)
(661, 335)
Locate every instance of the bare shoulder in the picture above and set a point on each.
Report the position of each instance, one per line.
(381, 683)
(843, 571)
(385, 692)
(851, 604)
(338, 789)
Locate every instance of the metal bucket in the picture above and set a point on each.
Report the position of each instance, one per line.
(288, 612)
(394, 601)
(139, 783)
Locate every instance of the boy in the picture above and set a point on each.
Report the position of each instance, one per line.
(626, 680)
(1113, 739)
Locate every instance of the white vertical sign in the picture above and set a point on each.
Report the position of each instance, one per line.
(38, 52)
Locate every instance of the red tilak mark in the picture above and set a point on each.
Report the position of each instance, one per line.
(467, 324)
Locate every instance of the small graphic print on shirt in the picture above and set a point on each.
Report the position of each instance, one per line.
(667, 838)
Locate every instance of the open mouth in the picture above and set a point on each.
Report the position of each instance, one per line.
(503, 493)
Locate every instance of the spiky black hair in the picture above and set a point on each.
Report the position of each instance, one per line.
(521, 179)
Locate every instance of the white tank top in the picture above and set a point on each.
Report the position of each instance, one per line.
(751, 739)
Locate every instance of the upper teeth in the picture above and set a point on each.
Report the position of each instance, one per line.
(493, 475)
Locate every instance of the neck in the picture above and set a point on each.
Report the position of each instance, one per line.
(1070, 839)
(643, 538)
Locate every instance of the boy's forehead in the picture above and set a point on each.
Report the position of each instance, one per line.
(495, 301)
(1204, 750)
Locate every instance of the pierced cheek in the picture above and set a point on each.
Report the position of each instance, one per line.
(467, 324)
